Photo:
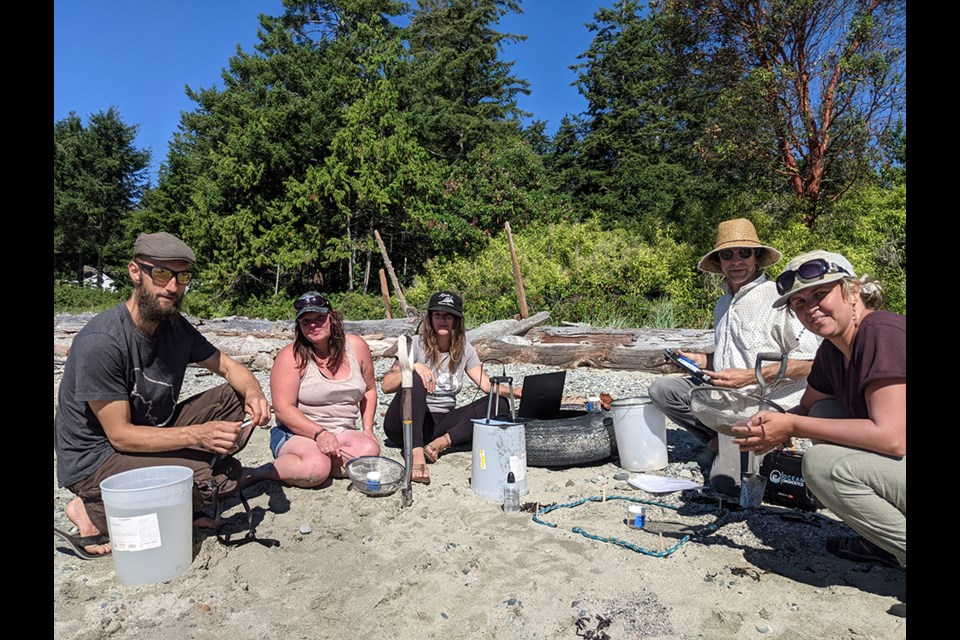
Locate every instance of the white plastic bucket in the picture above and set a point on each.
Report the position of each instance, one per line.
(149, 517)
(498, 448)
(641, 431)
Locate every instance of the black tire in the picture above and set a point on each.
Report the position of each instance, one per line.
(579, 438)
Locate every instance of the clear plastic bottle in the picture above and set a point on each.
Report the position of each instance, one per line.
(511, 494)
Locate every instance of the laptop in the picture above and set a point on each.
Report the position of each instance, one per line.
(542, 395)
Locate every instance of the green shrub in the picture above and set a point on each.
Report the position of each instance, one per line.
(73, 298)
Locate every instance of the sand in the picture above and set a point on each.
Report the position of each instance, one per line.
(453, 565)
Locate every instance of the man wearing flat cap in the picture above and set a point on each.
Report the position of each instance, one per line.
(744, 324)
(117, 406)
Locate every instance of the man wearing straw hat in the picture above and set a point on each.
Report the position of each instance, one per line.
(117, 406)
(745, 324)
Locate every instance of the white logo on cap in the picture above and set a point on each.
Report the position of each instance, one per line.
(446, 299)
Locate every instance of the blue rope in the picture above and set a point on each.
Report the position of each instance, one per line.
(623, 543)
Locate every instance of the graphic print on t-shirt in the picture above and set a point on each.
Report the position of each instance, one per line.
(151, 401)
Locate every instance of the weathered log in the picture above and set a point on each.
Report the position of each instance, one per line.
(508, 327)
(631, 350)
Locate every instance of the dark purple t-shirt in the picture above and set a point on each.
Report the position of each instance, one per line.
(879, 352)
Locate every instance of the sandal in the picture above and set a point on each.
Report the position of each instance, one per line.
(859, 549)
(420, 474)
(433, 454)
(78, 544)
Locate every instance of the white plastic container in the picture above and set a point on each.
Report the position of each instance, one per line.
(498, 448)
(149, 518)
(641, 431)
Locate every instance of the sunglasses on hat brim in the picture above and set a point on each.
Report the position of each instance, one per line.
(807, 272)
(311, 301)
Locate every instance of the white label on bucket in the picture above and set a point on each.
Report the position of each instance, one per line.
(518, 464)
(136, 533)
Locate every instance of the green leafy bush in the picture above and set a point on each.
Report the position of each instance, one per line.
(72, 298)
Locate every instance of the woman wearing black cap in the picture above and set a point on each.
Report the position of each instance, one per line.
(441, 355)
(320, 385)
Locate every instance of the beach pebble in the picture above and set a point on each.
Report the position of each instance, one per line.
(205, 608)
(762, 628)
(444, 615)
(569, 483)
(512, 601)
(623, 475)
(305, 528)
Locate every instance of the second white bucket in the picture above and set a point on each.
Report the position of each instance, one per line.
(641, 431)
(498, 448)
(149, 516)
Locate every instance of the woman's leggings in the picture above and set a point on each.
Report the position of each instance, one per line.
(428, 426)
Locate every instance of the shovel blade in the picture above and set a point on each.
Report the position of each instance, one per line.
(752, 484)
(752, 487)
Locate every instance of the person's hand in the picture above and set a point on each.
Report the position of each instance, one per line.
(763, 432)
(218, 436)
(328, 444)
(369, 433)
(426, 375)
(257, 407)
(699, 359)
(732, 378)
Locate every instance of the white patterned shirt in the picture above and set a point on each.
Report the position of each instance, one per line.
(746, 324)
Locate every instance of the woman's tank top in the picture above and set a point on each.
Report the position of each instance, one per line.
(332, 404)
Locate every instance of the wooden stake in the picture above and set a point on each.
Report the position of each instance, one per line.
(521, 295)
(385, 292)
(408, 311)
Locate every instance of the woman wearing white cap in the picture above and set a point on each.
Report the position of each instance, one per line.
(854, 407)
(441, 356)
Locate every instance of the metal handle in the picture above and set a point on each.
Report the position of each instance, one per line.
(770, 357)
(495, 390)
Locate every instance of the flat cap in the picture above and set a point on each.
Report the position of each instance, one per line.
(163, 246)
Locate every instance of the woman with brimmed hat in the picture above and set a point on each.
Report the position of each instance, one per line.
(441, 356)
(854, 407)
(320, 385)
(745, 325)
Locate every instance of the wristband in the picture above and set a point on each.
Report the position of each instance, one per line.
(317, 434)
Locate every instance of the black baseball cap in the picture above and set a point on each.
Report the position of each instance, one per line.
(446, 301)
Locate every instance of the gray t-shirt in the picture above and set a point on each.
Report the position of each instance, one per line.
(110, 359)
(444, 396)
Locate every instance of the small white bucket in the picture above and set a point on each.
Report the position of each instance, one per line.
(149, 518)
(641, 431)
(498, 448)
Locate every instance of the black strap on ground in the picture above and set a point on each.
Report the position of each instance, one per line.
(251, 535)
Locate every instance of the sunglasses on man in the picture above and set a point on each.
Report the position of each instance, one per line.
(727, 254)
(807, 272)
(162, 275)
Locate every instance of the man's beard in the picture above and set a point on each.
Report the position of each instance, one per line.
(150, 309)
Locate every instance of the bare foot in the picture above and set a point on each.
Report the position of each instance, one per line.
(77, 513)
(419, 472)
(433, 450)
(204, 522)
(253, 475)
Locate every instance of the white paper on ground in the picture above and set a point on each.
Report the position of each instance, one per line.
(661, 484)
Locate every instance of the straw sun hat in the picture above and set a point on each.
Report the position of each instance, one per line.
(733, 234)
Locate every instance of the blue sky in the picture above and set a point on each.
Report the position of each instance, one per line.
(139, 55)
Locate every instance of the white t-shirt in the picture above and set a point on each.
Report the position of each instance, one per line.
(746, 324)
(448, 385)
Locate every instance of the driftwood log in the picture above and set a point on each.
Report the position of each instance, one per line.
(572, 347)
(256, 343)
